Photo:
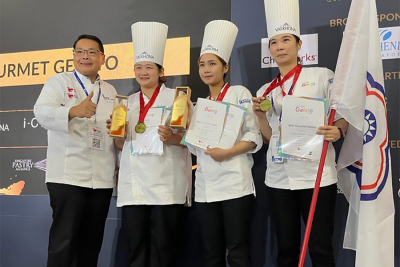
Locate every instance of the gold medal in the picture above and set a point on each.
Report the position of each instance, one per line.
(140, 127)
(265, 105)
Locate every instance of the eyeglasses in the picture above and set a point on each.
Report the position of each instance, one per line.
(90, 52)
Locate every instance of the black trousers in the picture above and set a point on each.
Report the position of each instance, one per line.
(154, 234)
(226, 225)
(287, 208)
(79, 216)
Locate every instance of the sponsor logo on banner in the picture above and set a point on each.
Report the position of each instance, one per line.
(36, 67)
(28, 164)
(4, 127)
(381, 17)
(394, 144)
(308, 52)
(392, 75)
(390, 42)
(31, 123)
(398, 193)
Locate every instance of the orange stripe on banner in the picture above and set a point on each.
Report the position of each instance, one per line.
(13, 190)
(36, 67)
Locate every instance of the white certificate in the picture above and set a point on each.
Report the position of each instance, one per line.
(154, 116)
(149, 143)
(207, 124)
(233, 123)
(301, 118)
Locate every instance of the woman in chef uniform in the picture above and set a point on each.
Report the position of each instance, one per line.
(290, 183)
(152, 189)
(224, 188)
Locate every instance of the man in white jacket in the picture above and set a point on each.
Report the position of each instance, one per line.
(74, 107)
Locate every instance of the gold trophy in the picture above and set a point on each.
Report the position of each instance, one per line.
(179, 112)
(118, 120)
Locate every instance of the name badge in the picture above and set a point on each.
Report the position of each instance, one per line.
(96, 137)
(274, 142)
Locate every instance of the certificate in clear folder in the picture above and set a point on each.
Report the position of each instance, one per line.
(301, 117)
(207, 124)
(148, 142)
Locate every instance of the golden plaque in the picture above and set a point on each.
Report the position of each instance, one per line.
(180, 110)
(118, 120)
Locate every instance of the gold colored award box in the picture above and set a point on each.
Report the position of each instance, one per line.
(119, 113)
(179, 112)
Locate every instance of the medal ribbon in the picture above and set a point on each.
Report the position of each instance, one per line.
(145, 108)
(297, 71)
(222, 93)
(278, 82)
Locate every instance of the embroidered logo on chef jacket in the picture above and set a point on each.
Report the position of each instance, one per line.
(107, 98)
(145, 55)
(71, 93)
(308, 84)
(246, 100)
(210, 48)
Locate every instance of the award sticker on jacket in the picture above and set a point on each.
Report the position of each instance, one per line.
(118, 120)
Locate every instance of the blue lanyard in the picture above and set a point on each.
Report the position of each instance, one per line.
(84, 89)
(273, 105)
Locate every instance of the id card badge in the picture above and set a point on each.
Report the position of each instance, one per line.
(96, 137)
(274, 143)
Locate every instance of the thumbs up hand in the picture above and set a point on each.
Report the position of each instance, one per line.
(85, 109)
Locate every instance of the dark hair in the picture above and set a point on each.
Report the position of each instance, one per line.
(91, 37)
(162, 79)
(223, 64)
(297, 38)
(299, 61)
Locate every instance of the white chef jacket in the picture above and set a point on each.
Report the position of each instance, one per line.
(232, 178)
(70, 160)
(300, 174)
(150, 179)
